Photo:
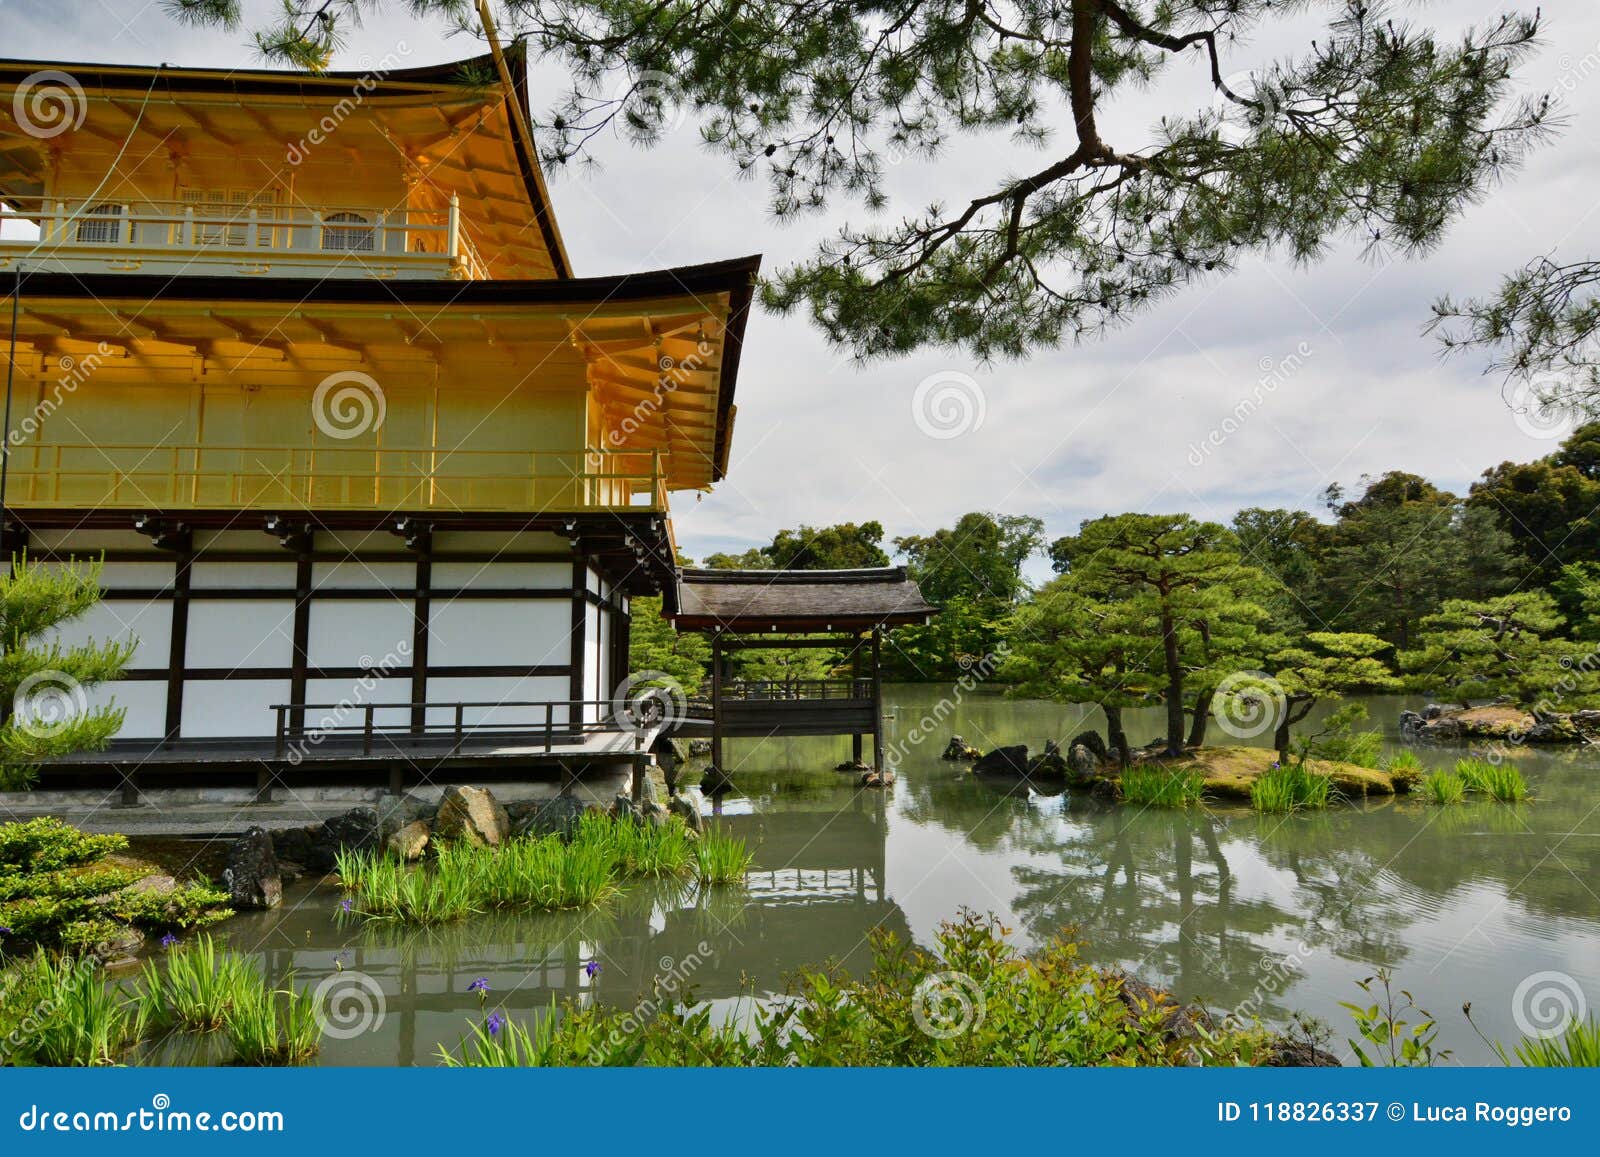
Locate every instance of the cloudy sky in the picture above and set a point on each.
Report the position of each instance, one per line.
(1334, 354)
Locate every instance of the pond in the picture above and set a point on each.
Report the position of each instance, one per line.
(1479, 902)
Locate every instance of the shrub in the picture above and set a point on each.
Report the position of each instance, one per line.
(54, 891)
(1161, 787)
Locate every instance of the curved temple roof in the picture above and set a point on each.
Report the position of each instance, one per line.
(797, 600)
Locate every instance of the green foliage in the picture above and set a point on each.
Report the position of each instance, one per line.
(543, 874)
(1498, 781)
(1500, 647)
(980, 558)
(846, 546)
(54, 892)
(1290, 787)
(720, 859)
(974, 1001)
(273, 1026)
(196, 986)
(1329, 665)
(1155, 786)
(1444, 787)
(1388, 1037)
(77, 1018)
(653, 645)
(45, 685)
(1578, 1047)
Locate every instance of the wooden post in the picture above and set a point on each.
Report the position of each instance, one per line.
(716, 701)
(855, 682)
(638, 767)
(877, 704)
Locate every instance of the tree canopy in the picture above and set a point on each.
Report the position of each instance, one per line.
(1380, 130)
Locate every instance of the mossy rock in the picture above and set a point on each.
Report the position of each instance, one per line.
(1229, 772)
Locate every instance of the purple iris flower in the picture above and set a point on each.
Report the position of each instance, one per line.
(592, 969)
(168, 940)
(495, 1023)
(345, 905)
(480, 986)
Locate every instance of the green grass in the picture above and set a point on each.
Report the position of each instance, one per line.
(1498, 781)
(1161, 787)
(535, 874)
(1576, 1048)
(1444, 787)
(79, 1019)
(273, 1027)
(1290, 788)
(197, 986)
(720, 859)
(1405, 770)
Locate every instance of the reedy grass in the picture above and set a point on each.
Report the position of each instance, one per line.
(197, 986)
(1444, 787)
(1578, 1047)
(1498, 781)
(1161, 787)
(274, 1026)
(82, 1020)
(540, 874)
(1290, 788)
(720, 859)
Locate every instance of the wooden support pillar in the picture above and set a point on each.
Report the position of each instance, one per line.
(640, 765)
(716, 700)
(178, 646)
(877, 702)
(855, 677)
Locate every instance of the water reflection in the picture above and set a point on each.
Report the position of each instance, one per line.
(1276, 914)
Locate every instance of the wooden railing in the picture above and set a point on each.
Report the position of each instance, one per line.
(796, 690)
(305, 730)
(111, 230)
(333, 476)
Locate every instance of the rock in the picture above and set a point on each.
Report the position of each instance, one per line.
(1180, 1023)
(251, 876)
(699, 747)
(851, 765)
(1284, 1053)
(355, 830)
(959, 749)
(1586, 720)
(653, 813)
(684, 807)
(715, 782)
(1432, 711)
(877, 779)
(471, 814)
(289, 870)
(159, 885)
(1050, 765)
(551, 817)
(650, 793)
(1083, 762)
(1090, 739)
(118, 948)
(623, 808)
(1004, 760)
(294, 844)
(410, 841)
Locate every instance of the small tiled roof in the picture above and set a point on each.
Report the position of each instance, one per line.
(797, 600)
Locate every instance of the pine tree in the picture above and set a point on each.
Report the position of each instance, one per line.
(44, 686)
(1498, 647)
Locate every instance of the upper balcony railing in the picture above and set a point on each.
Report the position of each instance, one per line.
(214, 477)
(246, 238)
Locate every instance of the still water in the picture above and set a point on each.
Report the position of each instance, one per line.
(1280, 914)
